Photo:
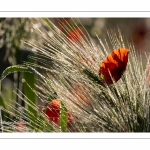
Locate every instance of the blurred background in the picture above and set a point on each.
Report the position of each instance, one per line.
(12, 51)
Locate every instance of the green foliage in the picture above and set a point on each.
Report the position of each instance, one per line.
(63, 117)
(13, 69)
(30, 94)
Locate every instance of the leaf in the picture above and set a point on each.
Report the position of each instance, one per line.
(2, 113)
(30, 93)
(13, 69)
(2, 102)
(28, 90)
(63, 117)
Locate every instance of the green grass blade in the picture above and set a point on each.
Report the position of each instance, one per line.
(63, 118)
(28, 90)
(13, 69)
(2, 102)
(30, 93)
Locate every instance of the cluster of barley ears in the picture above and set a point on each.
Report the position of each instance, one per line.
(68, 69)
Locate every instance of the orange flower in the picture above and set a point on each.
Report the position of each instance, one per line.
(53, 112)
(115, 64)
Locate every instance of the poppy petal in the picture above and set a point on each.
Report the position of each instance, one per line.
(53, 112)
(114, 65)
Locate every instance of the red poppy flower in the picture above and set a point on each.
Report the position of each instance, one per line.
(53, 112)
(115, 64)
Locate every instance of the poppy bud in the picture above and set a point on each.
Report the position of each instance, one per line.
(53, 112)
